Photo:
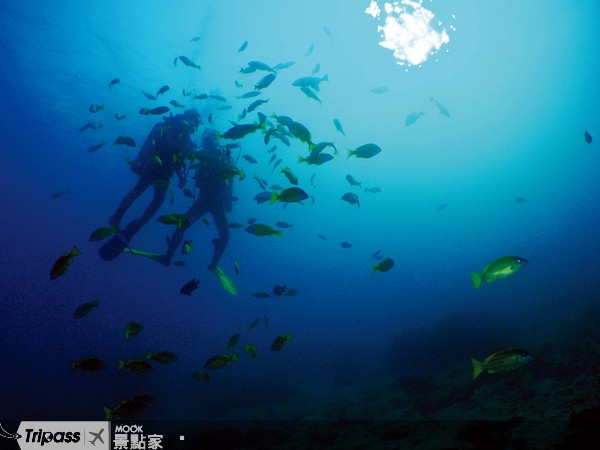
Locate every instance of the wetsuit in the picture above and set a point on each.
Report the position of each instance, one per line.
(215, 197)
(162, 155)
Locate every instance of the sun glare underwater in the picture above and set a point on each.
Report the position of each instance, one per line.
(413, 232)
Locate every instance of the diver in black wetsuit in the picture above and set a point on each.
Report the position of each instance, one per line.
(215, 197)
(163, 154)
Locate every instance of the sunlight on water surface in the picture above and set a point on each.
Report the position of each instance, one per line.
(410, 30)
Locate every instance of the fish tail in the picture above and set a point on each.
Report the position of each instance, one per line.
(234, 357)
(325, 77)
(477, 367)
(148, 355)
(95, 302)
(279, 233)
(74, 366)
(262, 122)
(107, 413)
(121, 364)
(350, 153)
(476, 278)
(301, 159)
(273, 198)
(75, 251)
(374, 268)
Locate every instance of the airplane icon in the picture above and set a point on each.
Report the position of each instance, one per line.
(96, 437)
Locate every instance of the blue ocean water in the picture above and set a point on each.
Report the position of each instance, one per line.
(520, 83)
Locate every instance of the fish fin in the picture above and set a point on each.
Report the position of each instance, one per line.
(476, 278)
(107, 413)
(477, 367)
(153, 256)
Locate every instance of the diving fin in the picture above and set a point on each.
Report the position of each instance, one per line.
(112, 248)
(161, 259)
(135, 251)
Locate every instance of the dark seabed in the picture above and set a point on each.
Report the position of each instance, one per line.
(486, 117)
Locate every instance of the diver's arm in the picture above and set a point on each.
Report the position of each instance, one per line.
(177, 141)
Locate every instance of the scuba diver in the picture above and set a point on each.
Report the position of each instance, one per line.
(163, 154)
(214, 177)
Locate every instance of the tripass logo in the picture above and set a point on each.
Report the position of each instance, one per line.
(64, 435)
(7, 435)
(45, 437)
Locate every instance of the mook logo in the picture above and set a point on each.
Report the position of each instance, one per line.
(64, 435)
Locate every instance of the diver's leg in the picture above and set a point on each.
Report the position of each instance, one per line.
(220, 217)
(160, 191)
(137, 190)
(196, 211)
